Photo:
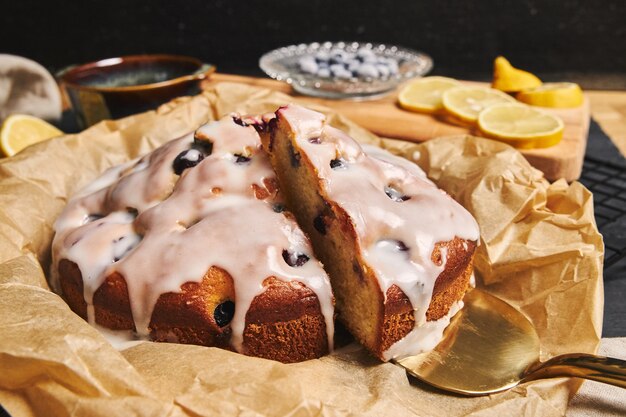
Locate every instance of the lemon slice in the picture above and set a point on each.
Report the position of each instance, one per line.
(466, 103)
(21, 130)
(510, 79)
(553, 95)
(424, 94)
(521, 126)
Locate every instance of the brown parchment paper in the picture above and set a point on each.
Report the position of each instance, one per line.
(540, 251)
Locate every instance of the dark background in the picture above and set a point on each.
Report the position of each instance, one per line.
(577, 40)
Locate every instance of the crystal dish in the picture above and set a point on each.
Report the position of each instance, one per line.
(284, 64)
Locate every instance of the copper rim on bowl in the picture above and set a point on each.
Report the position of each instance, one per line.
(121, 86)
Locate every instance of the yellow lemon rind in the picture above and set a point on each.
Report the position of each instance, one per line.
(536, 142)
(524, 141)
(10, 144)
(509, 79)
(567, 97)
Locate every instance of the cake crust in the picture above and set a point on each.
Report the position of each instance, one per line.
(283, 323)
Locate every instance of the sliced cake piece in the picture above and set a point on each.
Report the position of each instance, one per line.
(397, 249)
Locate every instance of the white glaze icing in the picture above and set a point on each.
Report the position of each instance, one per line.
(361, 188)
(160, 230)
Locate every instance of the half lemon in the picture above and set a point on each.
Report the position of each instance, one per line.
(424, 94)
(466, 103)
(561, 95)
(521, 126)
(510, 79)
(21, 130)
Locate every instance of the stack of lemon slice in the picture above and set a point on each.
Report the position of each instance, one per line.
(495, 111)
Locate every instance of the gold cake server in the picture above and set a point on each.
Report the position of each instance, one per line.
(490, 346)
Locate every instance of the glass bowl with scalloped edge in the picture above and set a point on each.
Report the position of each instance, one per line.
(285, 64)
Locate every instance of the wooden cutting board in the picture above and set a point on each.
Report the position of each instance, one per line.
(385, 118)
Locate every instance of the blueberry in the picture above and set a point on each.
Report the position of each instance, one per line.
(204, 146)
(339, 164)
(316, 140)
(94, 217)
(401, 246)
(354, 66)
(364, 53)
(383, 70)
(337, 56)
(396, 195)
(394, 245)
(367, 70)
(371, 59)
(343, 74)
(239, 121)
(295, 259)
(187, 159)
(278, 208)
(308, 65)
(224, 313)
(323, 72)
(121, 247)
(319, 224)
(322, 56)
(393, 67)
(240, 159)
(336, 68)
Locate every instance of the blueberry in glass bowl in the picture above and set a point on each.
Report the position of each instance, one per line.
(344, 70)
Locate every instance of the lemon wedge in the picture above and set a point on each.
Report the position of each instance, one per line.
(510, 79)
(466, 103)
(521, 126)
(424, 94)
(553, 95)
(21, 130)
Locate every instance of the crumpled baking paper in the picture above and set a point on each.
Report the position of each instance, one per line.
(540, 251)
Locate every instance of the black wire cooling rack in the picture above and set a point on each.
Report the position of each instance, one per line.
(607, 182)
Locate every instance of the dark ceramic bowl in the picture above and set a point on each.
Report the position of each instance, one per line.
(118, 87)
